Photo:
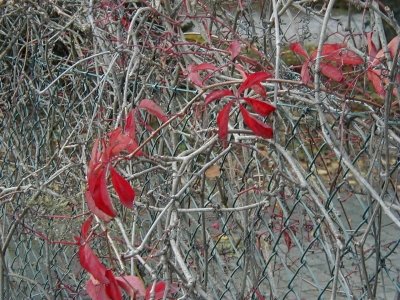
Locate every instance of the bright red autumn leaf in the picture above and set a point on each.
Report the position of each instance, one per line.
(222, 122)
(261, 107)
(132, 285)
(130, 124)
(327, 50)
(234, 49)
(123, 188)
(91, 263)
(252, 79)
(94, 209)
(258, 127)
(112, 288)
(298, 49)
(217, 94)
(118, 142)
(100, 194)
(86, 226)
(331, 72)
(339, 54)
(151, 107)
(158, 291)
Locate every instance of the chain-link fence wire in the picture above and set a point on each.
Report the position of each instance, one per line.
(312, 213)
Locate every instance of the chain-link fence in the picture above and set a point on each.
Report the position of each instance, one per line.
(312, 213)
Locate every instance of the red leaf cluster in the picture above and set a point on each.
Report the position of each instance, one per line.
(262, 108)
(103, 284)
(104, 152)
(336, 56)
(333, 57)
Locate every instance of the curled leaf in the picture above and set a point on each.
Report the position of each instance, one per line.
(99, 192)
(153, 109)
(258, 127)
(91, 263)
(222, 122)
(124, 190)
(260, 107)
(94, 209)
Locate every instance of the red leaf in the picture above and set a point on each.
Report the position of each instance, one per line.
(194, 75)
(217, 94)
(95, 155)
(158, 291)
(101, 196)
(94, 209)
(339, 53)
(328, 50)
(86, 227)
(96, 290)
(202, 67)
(348, 57)
(392, 46)
(124, 190)
(258, 127)
(130, 124)
(112, 288)
(331, 72)
(222, 122)
(259, 89)
(305, 73)
(91, 263)
(260, 107)
(154, 109)
(118, 142)
(253, 79)
(376, 80)
(298, 49)
(234, 49)
(288, 240)
(132, 285)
